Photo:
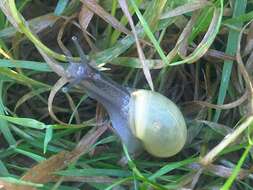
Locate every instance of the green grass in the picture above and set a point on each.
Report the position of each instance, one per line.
(177, 38)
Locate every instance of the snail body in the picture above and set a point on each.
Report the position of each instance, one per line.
(140, 118)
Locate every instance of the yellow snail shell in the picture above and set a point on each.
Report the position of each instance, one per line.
(157, 122)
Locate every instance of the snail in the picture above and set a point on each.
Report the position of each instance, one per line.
(141, 118)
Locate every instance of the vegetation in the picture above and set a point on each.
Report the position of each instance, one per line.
(196, 52)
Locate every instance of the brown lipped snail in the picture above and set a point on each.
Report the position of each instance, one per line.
(141, 118)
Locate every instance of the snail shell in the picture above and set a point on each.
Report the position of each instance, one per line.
(157, 122)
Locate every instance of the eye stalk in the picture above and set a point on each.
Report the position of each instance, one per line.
(76, 72)
(140, 118)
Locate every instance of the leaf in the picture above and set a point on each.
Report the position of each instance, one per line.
(218, 128)
(26, 122)
(207, 40)
(149, 33)
(146, 71)
(4, 125)
(61, 5)
(237, 169)
(29, 154)
(186, 8)
(29, 95)
(48, 137)
(20, 78)
(97, 9)
(95, 172)
(171, 166)
(38, 24)
(32, 65)
(10, 183)
(135, 62)
(231, 50)
(85, 17)
(44, 172)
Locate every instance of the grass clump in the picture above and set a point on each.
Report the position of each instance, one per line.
(196, 52)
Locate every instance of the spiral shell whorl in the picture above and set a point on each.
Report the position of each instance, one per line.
(157, 122)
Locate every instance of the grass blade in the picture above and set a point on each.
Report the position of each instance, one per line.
(239, 8)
